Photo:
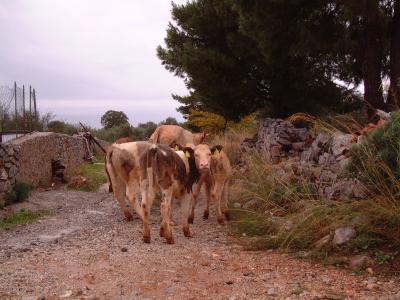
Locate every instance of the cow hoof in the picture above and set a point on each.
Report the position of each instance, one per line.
(146, 239)
(221, 221)
(186, 232)
(205, 215)
(190, 220)
(170, 240)
(227, 215)
(128, 216)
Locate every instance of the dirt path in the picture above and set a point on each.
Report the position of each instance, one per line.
(86, 250)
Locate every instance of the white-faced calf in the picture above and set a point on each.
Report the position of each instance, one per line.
(215, 169)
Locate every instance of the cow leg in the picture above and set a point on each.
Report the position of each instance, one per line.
(193, 199)
(119, 193)
(132, 191)
(216, 195)
(208, 198)
(225, 195)
(186, 210)
(165, 229)
(147, 200)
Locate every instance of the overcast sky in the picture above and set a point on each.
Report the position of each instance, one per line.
(85, 57)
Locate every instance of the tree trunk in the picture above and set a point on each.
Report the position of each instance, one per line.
(394, 90)
(372, 58)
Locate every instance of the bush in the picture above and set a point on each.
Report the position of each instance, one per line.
(376, 161)
(19, 192)
(277, 213)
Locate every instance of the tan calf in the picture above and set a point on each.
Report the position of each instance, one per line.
(215, 169)
(173, 174)
(173, 134)
(123, 167)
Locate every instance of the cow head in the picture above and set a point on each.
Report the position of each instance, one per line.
(202, 155)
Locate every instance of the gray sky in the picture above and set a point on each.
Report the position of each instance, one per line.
(85, 57)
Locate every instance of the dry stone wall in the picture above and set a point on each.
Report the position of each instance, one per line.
(299, 155)
(9, 166)
(28, 158)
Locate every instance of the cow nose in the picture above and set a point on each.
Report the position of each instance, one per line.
(204, 165)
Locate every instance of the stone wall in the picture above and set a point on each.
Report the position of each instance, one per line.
(299, 154)
(36, 151)
(9, 165)
(28, 158)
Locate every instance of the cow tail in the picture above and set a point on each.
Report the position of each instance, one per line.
(150, 165)
(108, 160)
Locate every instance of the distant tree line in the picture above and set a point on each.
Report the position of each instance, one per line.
(115, 125)
(284, 56)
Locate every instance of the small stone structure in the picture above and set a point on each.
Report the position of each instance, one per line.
(299, 154)
(9, 165)
(28, 158)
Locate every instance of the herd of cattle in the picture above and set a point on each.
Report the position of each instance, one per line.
(175, 163)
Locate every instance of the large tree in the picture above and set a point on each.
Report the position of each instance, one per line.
(112, 118)
(231, 71)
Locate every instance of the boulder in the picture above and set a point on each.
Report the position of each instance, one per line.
(360, 261)
(343, 235)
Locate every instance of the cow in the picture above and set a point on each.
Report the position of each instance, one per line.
(119, 141)
(124, 140)
(174, 134)
(123, 166)
(173, 173)
(215, 169)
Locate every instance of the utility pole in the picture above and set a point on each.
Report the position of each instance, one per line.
(23, 107)
(16, 113)
(34, 104)
(30, 108)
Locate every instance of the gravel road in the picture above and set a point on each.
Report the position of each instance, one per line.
(86, 250)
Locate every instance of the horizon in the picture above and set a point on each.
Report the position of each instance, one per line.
(94, 58)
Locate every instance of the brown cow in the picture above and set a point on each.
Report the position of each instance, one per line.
(119, 141)
(172, 173)
(123, 167)
(215, 169)
(124, 140)
(174, 134)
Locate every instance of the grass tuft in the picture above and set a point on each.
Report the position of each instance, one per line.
(24, 216)
(95, 175)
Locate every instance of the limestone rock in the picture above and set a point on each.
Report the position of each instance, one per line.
(360, 261)
(343, 235)
(3, 174)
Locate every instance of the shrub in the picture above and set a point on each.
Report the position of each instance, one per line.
(19, 192)
(376, 161)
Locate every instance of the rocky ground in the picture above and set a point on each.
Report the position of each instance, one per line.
(86, 250)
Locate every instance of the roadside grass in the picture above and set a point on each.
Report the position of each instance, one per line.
(95, 175)
(24, 216)
(278, 213)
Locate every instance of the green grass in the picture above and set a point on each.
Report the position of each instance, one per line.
(95, 174)
(24, 216)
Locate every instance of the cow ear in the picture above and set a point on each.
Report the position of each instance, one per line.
(215, 150)
(189, 152)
